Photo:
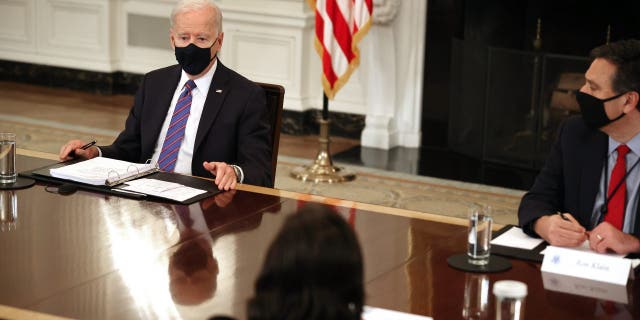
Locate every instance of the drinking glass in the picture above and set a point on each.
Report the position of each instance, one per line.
(479, 237)
(8, 158)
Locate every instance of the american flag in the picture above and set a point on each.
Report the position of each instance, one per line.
(340, 25)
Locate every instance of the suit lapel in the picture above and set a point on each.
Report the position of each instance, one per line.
(162, 95)
(594, 154)
(215, 97)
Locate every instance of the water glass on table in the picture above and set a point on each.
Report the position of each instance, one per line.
(479, 236)
(8, 174)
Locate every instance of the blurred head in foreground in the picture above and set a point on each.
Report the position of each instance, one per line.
(313, 270)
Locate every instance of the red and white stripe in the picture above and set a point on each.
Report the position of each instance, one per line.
(340, 25)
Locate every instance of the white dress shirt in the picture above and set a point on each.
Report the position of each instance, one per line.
(198, 97)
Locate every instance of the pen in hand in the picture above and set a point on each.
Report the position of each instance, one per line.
(586, 233)
(84, 147)
(562, 216)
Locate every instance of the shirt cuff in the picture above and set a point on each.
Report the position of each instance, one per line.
(99, 151)
(239, 173)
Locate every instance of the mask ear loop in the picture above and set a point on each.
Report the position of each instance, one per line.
(612, 98)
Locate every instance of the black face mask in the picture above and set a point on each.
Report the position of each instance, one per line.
(194, 59)
(592, 109)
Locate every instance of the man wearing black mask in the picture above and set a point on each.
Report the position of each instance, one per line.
(588, 188)
(197, 117)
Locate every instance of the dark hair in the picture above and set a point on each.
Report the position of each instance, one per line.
(313, 270)
(625, 55)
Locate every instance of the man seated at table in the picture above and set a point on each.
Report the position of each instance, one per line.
(588, 188)
(199, 117)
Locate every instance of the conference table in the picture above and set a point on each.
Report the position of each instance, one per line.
(89, 255)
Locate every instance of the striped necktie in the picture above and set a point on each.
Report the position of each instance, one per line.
(175, 132)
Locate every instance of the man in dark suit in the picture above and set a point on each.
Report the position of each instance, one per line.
(588, 188)
(198, 117)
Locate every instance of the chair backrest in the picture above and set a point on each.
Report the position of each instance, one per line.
(275, 101)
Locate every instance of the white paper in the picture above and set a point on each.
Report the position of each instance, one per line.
(516, 238)
(371, 313)
(96, 171)
(163, 189)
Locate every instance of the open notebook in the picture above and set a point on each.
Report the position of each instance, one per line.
(98, 175)
(103, 171)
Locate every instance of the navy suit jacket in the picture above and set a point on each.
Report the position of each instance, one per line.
(233, 128)
(570, 178)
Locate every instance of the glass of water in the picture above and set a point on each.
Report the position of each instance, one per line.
(8, 158)
(479, 240)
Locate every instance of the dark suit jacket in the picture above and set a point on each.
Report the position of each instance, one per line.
(233, 128)
(570, 178)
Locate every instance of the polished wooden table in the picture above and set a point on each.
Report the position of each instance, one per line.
(94, 256)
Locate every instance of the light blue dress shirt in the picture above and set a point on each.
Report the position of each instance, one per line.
(633, 179)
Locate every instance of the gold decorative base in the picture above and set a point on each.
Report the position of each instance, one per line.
(323, 170)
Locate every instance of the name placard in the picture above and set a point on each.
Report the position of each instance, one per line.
(587, 265)
(585, 287)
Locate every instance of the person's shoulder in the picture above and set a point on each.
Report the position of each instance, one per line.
(237, 80)
(574, 127)
(575, 123)
(163, 72)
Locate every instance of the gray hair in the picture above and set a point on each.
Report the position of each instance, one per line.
(190, 5)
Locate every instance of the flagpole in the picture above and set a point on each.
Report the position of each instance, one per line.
(322, 169)
(340, 45)
(325, 106)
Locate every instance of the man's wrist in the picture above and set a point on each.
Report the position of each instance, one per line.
(99, 151)
(539, 226)
(239, 173)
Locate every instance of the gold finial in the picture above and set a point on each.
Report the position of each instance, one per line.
(537, 43)
(608, 34)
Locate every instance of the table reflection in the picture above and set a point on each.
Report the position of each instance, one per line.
(476, 296)
(192, 267)
(179, 279)
(8, 210)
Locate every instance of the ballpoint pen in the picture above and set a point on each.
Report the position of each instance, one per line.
(84, 147)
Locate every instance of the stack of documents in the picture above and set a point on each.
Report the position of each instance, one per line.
(103, 171)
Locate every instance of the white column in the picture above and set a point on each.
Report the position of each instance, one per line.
(378, 64)
(392, 72)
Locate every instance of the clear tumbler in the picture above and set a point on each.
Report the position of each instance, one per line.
(479, 237)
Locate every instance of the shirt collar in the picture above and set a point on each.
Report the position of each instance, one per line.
(203, 83)
(633, 144)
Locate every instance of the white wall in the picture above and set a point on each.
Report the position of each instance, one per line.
(266, 40)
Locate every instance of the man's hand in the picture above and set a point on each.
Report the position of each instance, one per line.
(226, 178)
(607, 238)
(559, 232)
(75, 145)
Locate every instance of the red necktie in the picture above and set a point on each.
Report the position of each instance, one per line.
(615, 206)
